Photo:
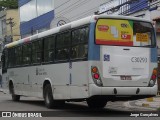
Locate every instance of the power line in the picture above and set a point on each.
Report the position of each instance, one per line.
(76, 6)
(84, 13)
(62, 4)
(12, 24)
(68, 11)
(61, 10)
(44, 21)
(118, 7)
(68, 6)
(10, 31)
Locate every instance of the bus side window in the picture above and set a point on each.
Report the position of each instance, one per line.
(37, 52)
(11, 56)
(18, 56)
(63, 46)
(4, 59)
(49, 48)
(79, 49)
(26, 54)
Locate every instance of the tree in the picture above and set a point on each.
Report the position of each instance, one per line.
(11, 4)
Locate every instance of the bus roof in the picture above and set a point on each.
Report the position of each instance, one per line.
(73, 24)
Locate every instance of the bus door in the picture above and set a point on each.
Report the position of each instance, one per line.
(79, 71)
(78, 63)
(60, 70)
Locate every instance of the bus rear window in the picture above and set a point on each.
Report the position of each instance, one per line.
(124, 33)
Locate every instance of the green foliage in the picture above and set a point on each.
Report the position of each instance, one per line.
(11, 4)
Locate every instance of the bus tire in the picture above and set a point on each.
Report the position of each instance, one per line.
(96, 102)
(49, 100)
(48, 96)
(14, 96)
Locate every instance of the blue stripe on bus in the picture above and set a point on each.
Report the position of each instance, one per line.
(153, 54)
(94, 50)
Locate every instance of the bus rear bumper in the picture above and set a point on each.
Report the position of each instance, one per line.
(122, 91)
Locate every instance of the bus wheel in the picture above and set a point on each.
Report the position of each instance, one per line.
(14, 96)
(96, 102)
(48, 98)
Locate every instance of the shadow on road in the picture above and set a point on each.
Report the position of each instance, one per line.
(76, 110)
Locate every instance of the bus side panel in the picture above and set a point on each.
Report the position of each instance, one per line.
(59, 76)
(21, 80)
(5, 83)
(79, 74)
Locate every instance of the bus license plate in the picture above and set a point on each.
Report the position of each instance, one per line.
(126, 78)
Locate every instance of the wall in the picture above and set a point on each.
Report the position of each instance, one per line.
(35, 15)
(63, 12)
(13, 13)
(109, 5)
(76, 9)
(138, 6)
(2, 24)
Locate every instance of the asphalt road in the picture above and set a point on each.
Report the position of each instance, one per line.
(70, 110)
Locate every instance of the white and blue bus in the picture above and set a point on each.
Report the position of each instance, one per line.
(96, 59)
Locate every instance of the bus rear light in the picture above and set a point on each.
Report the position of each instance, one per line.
(96, 76)
(153, 78)
(94, 70)
(154, 72)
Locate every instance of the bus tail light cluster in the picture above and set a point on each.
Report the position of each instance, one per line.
(153, 78)
(96, 76)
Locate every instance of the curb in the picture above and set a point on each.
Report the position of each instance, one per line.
(153, 102)
(151, 99)
(128, 105)
(145, 105)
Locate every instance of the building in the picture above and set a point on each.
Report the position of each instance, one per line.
(39, 15)
(2, 31)
(2, 28)
(9, 25)
(35, 15)
(12, 25)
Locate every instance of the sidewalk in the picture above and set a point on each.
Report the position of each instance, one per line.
(147, 103)
(153, 102)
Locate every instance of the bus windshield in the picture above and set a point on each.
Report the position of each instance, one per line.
(124, 33)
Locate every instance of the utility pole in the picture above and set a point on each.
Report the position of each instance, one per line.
(12, 24)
